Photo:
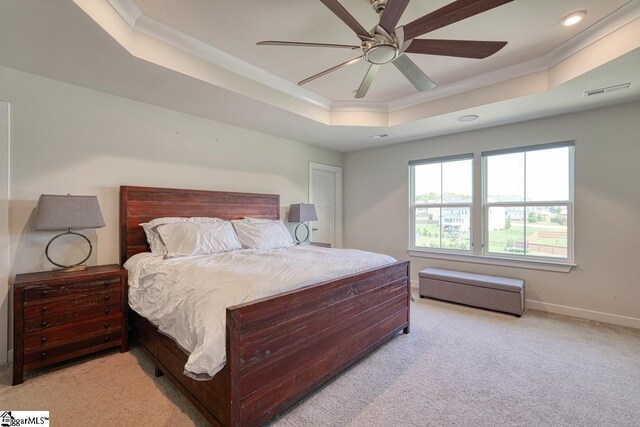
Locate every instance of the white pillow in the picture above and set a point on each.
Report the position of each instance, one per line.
(197, 238)
(155, 242)
(263, 235)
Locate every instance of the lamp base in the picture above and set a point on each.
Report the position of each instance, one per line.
(75, 267)
(295, 233)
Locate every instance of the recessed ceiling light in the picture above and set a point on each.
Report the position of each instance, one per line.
(574, 18)
(468, 118)
(382, 135)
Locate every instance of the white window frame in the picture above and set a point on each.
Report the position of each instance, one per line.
(413, 207)
(479, 215)
(524, 204)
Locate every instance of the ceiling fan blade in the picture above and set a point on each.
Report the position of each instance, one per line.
(392, 13)
(368, 79)
(459, 48)
(413, 73)
(346, 17)
(325, 72)
(453, 12)
(304, 44)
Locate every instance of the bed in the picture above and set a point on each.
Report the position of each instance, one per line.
(278, 348)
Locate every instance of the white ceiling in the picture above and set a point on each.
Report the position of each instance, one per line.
(168, 53)
(531, 28)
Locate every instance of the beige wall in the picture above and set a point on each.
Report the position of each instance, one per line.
(4, 228)
(68, 139)
(606, 283)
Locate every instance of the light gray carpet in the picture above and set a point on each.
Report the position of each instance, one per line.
(459, 367)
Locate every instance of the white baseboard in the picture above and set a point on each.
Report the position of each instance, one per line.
(582, 313)
(10, 356)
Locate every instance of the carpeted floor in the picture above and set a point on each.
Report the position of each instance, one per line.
(459, 367)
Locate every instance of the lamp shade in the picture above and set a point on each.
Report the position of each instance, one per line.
(67, 213)
(302, 212)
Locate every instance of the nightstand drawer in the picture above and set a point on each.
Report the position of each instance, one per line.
(61, 315)
(77, 289)
(60, 305)
(54, 320)
(78, 332)
(60, 352)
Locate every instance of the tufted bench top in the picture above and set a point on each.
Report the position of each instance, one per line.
(481, 280)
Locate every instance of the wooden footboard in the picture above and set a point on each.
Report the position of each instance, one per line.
(282, 347)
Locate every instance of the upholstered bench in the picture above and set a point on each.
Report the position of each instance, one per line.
(492, 292)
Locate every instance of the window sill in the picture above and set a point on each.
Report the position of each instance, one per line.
(557, 266)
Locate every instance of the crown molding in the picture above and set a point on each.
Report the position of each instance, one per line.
(624, 15)
(128, 10)
(617, 19)
(363, 113)
(355, 106)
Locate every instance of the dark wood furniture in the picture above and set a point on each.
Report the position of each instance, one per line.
(280, 348)
(324, 245)
(63, 315)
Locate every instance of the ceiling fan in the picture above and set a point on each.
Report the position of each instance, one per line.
(386, 44)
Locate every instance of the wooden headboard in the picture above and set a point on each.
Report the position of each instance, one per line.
(142, 204)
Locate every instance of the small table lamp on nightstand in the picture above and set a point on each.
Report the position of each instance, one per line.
(300, 213)
(68, 213)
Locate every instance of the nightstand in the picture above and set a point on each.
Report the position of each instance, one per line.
(324, 245)
(62, 315)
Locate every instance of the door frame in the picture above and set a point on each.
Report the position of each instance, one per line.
(337, 232)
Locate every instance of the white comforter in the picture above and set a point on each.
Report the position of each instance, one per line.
(187, 297)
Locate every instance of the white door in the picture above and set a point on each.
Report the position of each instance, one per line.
(325, 192)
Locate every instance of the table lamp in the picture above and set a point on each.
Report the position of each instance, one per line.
(68, 213)
(300, 213)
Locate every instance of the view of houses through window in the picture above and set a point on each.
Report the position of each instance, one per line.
(442, 204)
(526, 202)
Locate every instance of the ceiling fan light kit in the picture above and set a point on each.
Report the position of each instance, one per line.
(386, 44)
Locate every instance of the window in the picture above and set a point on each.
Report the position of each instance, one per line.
(441, 201)
(523, 208)
(528, 201)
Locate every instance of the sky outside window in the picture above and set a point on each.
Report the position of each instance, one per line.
(454, 179)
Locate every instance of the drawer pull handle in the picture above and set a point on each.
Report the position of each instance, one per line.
(106, 297)
(44, 293)
(106, 338)
(106, 324)
(44, 354)
(106, 311)
(44, 324)
(45, 308)
(43, 340)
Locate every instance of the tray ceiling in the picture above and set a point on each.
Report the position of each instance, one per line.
(199, 57)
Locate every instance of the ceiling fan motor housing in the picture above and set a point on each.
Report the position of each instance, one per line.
(381, 48)
(381, 54)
